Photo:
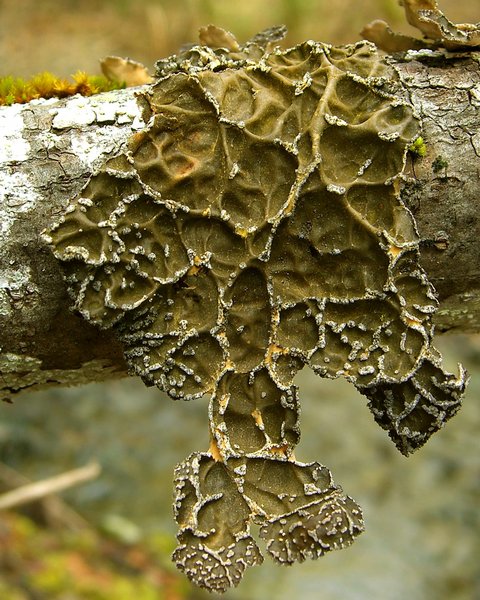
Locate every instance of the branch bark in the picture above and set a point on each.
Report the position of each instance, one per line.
(48, 149)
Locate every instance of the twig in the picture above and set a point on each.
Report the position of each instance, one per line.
(38, 490)
(56, 511)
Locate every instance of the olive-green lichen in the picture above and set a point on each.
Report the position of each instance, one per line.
(255, 227)
(301, 512)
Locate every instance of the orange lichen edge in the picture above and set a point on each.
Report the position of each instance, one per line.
(46, 85)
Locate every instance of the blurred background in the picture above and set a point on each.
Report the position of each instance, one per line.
(64, 36)
(111, 539)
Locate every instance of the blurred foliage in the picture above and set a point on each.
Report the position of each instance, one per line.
(59, 564)
(75, 34)
(136, 433)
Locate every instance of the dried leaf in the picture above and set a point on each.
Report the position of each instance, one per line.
(426, 16)
(126, 70)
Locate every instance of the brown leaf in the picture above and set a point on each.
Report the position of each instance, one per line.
(125, 70)
(426, 16)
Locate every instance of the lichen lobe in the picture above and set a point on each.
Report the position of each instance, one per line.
(252, 228)
(302, 514)
(437, 30)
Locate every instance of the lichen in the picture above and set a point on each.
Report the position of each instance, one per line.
(437, 30)
(254, 227)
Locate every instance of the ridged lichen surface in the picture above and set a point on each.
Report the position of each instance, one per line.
(255, 227)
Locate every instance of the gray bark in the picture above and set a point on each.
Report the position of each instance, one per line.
(443, 189)
(48, 149)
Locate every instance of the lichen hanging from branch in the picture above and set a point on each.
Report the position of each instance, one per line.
(252, 228)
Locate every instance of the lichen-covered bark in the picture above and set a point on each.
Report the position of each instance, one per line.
(49, 149)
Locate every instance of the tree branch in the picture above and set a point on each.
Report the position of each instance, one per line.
(48, 149)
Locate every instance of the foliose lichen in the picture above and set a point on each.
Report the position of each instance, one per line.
(437, 30)
(254, 227)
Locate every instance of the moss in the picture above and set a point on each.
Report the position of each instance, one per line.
(439, 164)
(40, 563)
(418, 147)
(46, 85)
